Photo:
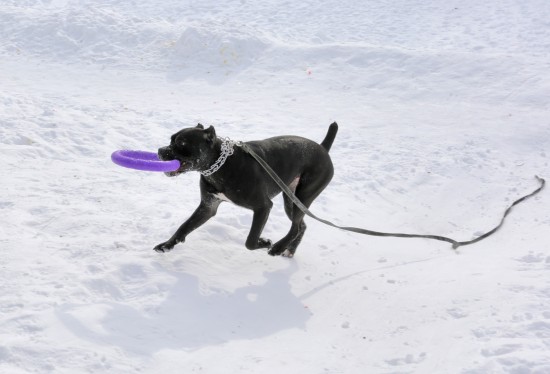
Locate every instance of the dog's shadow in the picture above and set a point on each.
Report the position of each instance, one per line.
(190, 320)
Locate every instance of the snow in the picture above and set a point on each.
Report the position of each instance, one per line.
(444, 120)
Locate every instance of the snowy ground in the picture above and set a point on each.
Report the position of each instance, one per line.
(444, 114)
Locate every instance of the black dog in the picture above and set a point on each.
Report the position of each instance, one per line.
(302, 164)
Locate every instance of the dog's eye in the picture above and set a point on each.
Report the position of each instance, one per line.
(183, 144)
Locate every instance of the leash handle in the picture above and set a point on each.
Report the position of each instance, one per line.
(306, 211)
(506, 212)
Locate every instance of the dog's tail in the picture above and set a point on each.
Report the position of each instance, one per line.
(331, 134)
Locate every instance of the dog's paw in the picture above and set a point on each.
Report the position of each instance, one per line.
(260, 243)
(264, 243)
(279, 249)
(165, 247)
(276, 250)
(287, 253)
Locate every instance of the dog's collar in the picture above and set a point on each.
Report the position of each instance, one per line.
(227, 150)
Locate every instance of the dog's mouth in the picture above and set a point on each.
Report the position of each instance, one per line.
(166, 154)
(182, 169)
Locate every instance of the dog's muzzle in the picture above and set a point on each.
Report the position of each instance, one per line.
(166, 154)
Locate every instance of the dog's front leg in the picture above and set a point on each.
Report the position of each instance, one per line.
(205, 211)
(258, 222)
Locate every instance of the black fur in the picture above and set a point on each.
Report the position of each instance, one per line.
(302, 164)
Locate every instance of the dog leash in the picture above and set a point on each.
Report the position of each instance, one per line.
(306, 211)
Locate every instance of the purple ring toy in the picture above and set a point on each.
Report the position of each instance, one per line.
(142, 160)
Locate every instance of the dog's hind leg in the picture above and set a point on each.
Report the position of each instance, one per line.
(258, 222)
(294, 236)
(289, 210)
(311, 184)
(293, 245)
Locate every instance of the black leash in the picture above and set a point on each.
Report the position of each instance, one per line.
(304, 209)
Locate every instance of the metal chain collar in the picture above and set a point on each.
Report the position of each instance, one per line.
(227, 150)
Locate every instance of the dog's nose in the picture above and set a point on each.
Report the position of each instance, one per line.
(165, 154)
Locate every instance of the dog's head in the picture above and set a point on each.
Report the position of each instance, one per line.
(192, 147)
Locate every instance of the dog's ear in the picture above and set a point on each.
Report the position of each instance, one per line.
(199, 126)
(210, 135)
